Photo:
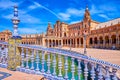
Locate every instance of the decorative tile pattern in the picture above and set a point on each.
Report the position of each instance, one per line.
(4, 75)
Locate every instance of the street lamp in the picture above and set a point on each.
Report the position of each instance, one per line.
(70, 44)
(85, 35)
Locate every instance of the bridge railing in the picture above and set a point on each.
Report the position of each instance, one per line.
(64, 64)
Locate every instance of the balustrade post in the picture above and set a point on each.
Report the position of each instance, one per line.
(48, 64)
(37, 63)
(43, 62)
(1, 58)
(22, 60)
(92, 71)
(100, 75)
(60, 68)
(66, 67)
(73, 69)
(86, 70)
(79, 69)
(27, 58)
(32, 62)
(114, 77)
(107, 76)
(4, 56)
(54, 65)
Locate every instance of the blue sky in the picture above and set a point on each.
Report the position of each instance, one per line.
(35, 14)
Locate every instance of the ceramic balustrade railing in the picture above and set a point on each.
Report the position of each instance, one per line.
(65, 64)
(3, 57)
(87, 67)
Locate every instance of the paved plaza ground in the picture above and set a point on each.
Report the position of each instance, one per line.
(16, 75)
(112, 56)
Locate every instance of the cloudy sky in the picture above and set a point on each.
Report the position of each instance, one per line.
(35, 14)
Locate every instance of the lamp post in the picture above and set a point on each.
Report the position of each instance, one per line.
(85, 35)
(70, 44)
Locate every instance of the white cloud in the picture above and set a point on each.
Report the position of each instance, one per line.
(24, 18)
(64, 16)
(32, 7)
(71, 12)
(75, 22)
(27, 30)
(75, 12)
(38, 5)
(4, 4)
(94, 10)
(104, 16)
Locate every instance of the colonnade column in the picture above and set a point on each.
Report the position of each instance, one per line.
(103, 43)
(76, 42)
(98, 42)
(67, 42)
(79, 42)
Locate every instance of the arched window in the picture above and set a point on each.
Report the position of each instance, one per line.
(64, 34)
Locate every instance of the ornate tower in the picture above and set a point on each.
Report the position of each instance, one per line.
(86, 28)
(49, 30)
(14, 51)
(15, 21)
(86, 21)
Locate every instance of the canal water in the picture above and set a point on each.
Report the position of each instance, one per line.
(57, 70)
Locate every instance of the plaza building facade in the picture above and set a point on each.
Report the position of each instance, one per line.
(5, 35)
(98, 35)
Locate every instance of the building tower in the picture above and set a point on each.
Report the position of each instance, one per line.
(15, 21)
(86, 28)
(14, 41)
(49, 30)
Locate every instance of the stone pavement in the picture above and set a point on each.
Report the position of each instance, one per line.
(16, 75)
(112, 56)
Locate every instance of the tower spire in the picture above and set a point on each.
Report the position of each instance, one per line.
(15, 21)
(87, 14)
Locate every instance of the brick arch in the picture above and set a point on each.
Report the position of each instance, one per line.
(113, 37)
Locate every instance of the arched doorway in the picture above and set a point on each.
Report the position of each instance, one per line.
(106, 41)
(78, 42)
(113, 37)
(91, 42)
(101, 41)
(50, 43)
(57, 43)
(82, 42)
